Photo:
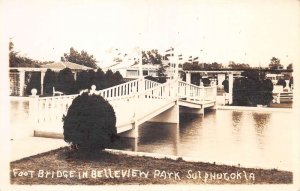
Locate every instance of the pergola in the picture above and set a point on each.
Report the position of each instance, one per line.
(56, 67)
(221, 76)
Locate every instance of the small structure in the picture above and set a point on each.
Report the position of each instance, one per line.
(17, 75)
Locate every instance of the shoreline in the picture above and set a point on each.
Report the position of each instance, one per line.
(109, 168)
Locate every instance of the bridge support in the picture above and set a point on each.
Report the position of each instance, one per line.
(169, 116)
(192, 110)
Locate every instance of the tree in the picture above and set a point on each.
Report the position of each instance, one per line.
(275, 63)
(117, 78)
(206, 81)
(82, 58)
(161, 74)
(281, 82)
(291, 83)
(234, 65)
(90, 123)
(251, 90)
(290, 66)
(82, 81)
(34, 82)
(15, 60)
(109, 79)
(65, 81)
(151, 57)
(49, 81)
(225, 83)
(100, 80)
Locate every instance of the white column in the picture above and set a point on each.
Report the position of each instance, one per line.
(188, 77)
(42, 82)
(22, 82)
(230, 85)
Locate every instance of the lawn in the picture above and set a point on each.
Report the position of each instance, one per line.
(61, 166)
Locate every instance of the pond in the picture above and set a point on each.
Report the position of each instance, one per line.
(246, 138)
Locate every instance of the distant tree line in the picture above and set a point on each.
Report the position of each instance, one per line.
(64, 81)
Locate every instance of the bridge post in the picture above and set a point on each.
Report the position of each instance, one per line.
(33, 110)
(169, 116)
(188, 81)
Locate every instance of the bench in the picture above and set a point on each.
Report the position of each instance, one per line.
(57, 92)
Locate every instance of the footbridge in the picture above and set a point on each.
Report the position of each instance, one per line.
(134, 103)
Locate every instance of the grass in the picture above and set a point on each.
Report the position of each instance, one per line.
(159, 170)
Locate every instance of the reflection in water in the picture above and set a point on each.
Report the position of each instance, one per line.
(261, 121)
(222, 136)
(236, 119)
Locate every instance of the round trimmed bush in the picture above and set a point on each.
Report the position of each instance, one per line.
(90, 123)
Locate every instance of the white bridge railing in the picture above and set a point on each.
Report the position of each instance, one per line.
(197, 93)
(52, 109)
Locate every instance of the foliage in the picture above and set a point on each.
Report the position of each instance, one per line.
(90, 123)
(86, 79)
(99, 79)
(151, 78)
(206, 81)
(82, 58)
(281, 82)
(234, 65)
(151, 57)
(225, 83)
(201, 66)
(274, 63)
(15, 60)
(250, 90)
(291, 82)
(34, 81)
(290, 66)
(49, 81)
(117, 78)
(65, 81)
(161, 74)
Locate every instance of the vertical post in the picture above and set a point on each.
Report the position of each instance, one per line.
(42, 82)
(188, 81)
(230, 83)
(22, 82)
(33, 108)
(75, 75)
(93, 89)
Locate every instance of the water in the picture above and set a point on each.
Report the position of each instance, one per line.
(251, 139)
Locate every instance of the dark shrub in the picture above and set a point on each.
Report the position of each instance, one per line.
(206, 81)
(117, 78)
(225, 83)
(281, 82)
(291, 82)
(100, 79)
(82, 81)
(49, 81)
(151, 78)
(90, 123)
(65, 81)
(34, 82)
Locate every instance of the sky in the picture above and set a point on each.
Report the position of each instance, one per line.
(243, 31)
